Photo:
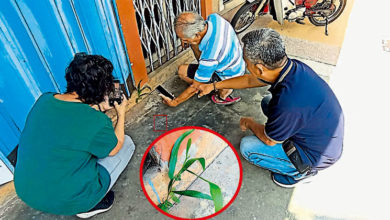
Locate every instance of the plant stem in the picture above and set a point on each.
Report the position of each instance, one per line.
(170, 190)
(197, 176)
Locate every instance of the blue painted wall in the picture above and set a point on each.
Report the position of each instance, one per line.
(37, 41)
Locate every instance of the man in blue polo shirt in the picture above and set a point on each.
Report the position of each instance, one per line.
(216, 47)
(305, 127)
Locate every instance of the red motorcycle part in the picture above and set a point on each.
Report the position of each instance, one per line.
(308, 3)
(266, 8)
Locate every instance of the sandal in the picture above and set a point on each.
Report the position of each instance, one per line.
(229, 100)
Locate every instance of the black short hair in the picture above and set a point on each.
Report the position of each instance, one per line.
(90, 76)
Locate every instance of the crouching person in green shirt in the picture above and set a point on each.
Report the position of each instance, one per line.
(69, 154)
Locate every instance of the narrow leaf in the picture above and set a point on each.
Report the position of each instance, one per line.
(216, 194)
(139, 85)
(143, 94)
(170, 185)
(188, 147)
(145, 87)
(193, 193)
(201, 160)
(174, 152)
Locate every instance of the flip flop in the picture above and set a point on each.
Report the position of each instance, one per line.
(228, 101)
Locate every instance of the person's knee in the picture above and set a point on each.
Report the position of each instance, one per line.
(182, 71)
(128, 145)
(248, 144)
(128, 139)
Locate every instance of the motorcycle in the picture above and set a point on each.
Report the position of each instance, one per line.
(320, 13)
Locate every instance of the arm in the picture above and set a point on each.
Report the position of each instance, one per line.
(184, 96)
(241, 82)
(120, 126)
(256, 128)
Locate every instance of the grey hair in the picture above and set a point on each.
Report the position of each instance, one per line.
(264, 46)
(189, 23)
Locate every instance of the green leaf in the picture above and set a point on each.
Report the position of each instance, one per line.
(143, 94)
(168, 204)
(175, 199)
(216, 194)
(170, 184)
(175, 151)
(193, 193)
(162, 207)
(139, 85)
(165, 206)
(201, 160)
(188, 147)
(145, 87)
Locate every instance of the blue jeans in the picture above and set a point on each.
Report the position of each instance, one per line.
(117, 163)
(272, 158)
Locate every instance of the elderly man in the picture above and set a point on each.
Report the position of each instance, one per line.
(305, 127)
(216, 47)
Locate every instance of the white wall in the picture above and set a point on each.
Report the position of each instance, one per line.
(5, 173)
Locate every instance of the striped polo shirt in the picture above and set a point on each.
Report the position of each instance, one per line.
(220, 51)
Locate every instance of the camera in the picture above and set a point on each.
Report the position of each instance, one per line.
(117, 94)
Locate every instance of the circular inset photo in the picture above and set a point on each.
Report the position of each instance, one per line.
(191, 173)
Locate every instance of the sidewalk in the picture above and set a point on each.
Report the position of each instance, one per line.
(355, 188)
(258, 193)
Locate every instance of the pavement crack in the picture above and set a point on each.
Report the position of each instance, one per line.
(199, 110)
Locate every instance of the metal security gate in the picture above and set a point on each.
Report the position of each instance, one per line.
(37, 41)
(155, 25)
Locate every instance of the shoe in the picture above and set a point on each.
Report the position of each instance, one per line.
(289, 182)
(103, 206)
(229, 100)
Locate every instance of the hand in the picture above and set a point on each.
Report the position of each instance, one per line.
(121, 109)
(205, 89)
(168, 101)
(245, 123)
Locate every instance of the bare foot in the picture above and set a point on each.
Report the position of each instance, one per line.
(223, 93)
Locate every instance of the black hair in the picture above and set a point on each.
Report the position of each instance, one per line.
(90, 76)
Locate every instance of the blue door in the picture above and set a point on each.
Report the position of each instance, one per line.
(37, 41)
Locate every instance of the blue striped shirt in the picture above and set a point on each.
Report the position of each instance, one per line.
(220, 51)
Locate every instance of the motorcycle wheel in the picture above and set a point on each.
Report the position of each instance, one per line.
(320, 21)
(244, 17)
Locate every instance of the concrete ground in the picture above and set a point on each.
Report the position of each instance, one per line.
(223, 171)
(354, 188)
(259, 197)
